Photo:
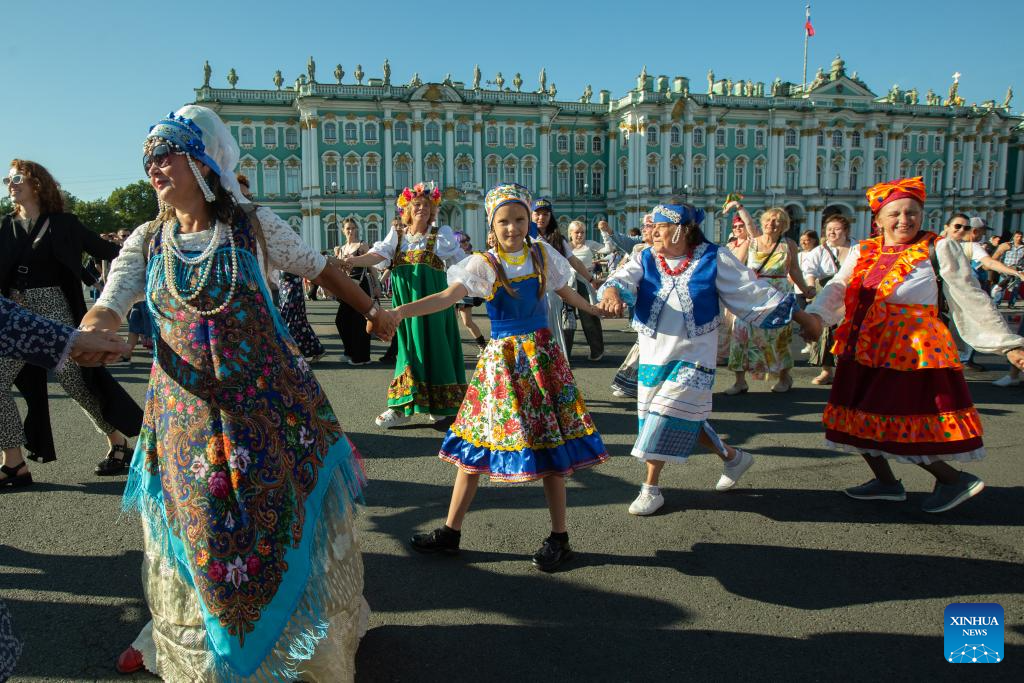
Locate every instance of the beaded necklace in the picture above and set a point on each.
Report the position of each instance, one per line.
(673, 272)
(173, 256)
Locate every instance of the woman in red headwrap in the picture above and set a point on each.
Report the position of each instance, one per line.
(899, 390)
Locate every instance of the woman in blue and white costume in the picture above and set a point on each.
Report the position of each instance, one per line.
(675, 288)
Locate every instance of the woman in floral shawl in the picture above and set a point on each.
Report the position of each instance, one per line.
(243, 476)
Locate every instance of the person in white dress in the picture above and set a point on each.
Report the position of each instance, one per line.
(819, 266)
(677, 288)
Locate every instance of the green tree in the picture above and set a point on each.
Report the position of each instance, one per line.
(5, 205)
(132, 205)
(96, 215)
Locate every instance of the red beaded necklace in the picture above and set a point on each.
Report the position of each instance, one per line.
(673, 272)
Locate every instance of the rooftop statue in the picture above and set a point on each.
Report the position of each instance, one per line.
(278, 79)
(232, 77)
(339, 73)
(311, 69)
(543, 78)
(387, 72)
(359, 73)
(207, 72)
(517, 81)
(476, 77)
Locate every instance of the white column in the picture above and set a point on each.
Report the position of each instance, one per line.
(545, 155)
(1018, 184)
(389, 174)
(773, 154)
(869, 156)
(780, 161)
(417, 146)
(894, 152)
(612, 174)
(1001, 162)
(844, 175)
(631, 153)
(967, 165)
(826, 177)
(688, 154)
(709, 165)
(478, 155)
(449, 149)
(947, 180)
(665, 186)
(863, 228)
(997, 222)
(811, 165)
(805, 156)
(986, 161)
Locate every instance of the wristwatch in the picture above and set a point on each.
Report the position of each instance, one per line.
(372, 312)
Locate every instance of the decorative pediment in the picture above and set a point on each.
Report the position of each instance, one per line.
(842, 88)
(435, 92)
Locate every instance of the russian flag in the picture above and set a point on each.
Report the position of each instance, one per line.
(808, 26)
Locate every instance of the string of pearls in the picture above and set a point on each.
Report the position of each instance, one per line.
(173, 256)
(207, 192)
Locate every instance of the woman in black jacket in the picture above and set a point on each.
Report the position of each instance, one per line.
(41, 267)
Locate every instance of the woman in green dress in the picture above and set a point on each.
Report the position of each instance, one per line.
(430, 374)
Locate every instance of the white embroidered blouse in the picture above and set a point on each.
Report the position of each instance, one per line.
(446, 247)
(478, 277)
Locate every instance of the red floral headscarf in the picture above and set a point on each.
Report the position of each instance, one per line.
(883, 193)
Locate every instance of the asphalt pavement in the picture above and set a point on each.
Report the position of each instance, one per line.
(782, 578)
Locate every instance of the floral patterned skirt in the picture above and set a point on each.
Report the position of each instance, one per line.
(523, 417)
(759, 351)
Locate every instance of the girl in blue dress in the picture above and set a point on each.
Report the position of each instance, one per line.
(523, 417)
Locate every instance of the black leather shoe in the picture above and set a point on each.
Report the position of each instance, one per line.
(437, 541)
(551, 555)
(113, 465)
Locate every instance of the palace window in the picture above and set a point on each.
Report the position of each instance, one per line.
(271, 179)
(432, 171)
(905, 169)
(581, 144)
(837, 139)
(462, 134)
(580, 179)
(906, 143)
(596, 144)
(372, 174)
(432, 132)
(269, 136)
(837, 169)
(698, 137)
(291, 138)
(563, 181)
(936, 178)
(698, 175)
(509, 169)
(956, 174)
(562, 143)
(291, 179)
(528, 174)
(401, 132)
(855, 139)
(922, 143)
(821, 138)
(720, 137)
(623, 176)
(528, 136)
(370, 133)
(330, 132)
(675, 136)
(373, 232)
(652, 134)
(855, 175)
(677, 174)
(598, 185)
(879, 171)
(820, 179)
(492, 172)
(790, 137)
(758, 177)
(937, 144)
(741, 137)
(510, 136)
(351, 132)
(792, 175)
(463, 173)
(739, 179)
(958, 145)
(330, 172)
(492, 136)
(332, 233)
(247, 137)
(759, 139)
(720, 176)
(402, 174)
(352, 175)
(879, 142)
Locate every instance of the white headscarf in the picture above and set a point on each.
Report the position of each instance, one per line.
(220, 146)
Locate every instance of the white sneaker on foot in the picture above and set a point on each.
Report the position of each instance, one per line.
(1007, 381)
(734, 469)
(648, 502)
(618, 393)
(389, 418)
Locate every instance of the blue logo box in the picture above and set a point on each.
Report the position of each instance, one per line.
(973, 633)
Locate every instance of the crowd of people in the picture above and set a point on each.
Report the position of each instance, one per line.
(244, 479)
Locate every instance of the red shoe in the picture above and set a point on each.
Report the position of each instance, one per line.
(130, 661)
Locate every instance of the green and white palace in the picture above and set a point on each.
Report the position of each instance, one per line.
(319, 152)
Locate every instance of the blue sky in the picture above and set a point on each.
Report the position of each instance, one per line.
(85, 79)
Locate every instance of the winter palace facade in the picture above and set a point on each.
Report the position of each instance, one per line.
(318, 153)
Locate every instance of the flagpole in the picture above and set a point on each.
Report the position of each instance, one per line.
(807, 17)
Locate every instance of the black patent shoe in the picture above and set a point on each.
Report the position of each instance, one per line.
(12, 478)
(113, 465)
(552, 555)
(437, 541)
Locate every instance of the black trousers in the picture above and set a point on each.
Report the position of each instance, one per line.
(591, 328)
(352, 329)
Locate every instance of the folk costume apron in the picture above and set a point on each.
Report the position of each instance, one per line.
(430, 373)
(239, 460)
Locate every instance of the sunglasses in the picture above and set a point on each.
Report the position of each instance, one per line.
(959, 226)
(16, 179)
(159, 155)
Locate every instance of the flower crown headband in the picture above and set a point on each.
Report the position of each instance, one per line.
(431, 192)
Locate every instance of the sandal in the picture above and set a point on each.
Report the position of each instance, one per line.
(113, 465)
(12, 478)
(390, 418)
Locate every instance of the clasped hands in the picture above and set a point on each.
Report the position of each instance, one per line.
(94, 347)
(611, 304)
(383, 324)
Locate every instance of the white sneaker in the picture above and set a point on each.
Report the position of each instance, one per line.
(1007, 381)
(436, 418)
(647, 503)
(734, 469)
(389, 419)
(618, 393)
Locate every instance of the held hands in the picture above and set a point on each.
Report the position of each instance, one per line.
(611, 305)
(93, 347)
(383, 324)
(811, 325)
